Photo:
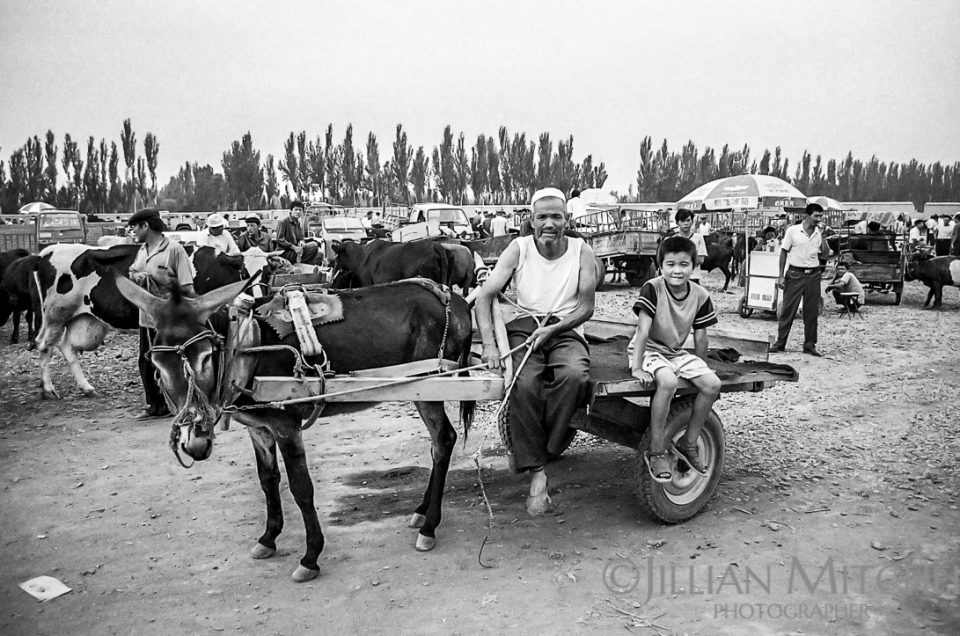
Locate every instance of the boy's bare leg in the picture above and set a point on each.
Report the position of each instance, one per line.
(660, 407)
(708, 387)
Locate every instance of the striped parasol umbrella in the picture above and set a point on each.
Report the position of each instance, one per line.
(744, 192)
(826, 203)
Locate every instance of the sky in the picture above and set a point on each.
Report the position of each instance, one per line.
(874, 77)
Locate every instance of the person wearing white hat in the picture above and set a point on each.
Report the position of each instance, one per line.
(555, 277)
(216, 236)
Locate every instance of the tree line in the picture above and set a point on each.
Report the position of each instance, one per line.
(666, 175)
(505, 169)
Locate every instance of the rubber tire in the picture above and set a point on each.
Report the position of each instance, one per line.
(601, 272)
(504, 431)
(655, 501)
(742, 309)
(634, 279)
(897, 294)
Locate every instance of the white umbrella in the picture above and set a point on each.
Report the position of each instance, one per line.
(36, 206)
(744, 192)
(826, 203)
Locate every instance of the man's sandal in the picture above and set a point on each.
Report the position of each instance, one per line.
(662, 474)
(691, 455)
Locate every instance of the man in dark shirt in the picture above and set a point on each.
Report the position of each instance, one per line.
(255, 236)
(290, 238)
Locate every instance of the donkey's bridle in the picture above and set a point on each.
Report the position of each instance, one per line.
(192, 391)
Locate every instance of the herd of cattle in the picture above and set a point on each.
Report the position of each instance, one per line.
(70, 297)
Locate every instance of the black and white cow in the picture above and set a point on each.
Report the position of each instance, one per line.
(934, 272)
(81, 302)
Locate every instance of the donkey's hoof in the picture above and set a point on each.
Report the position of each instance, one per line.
(425, 543)
(90, 393)
(417, 520)
(261, 551)
(49, 395)
(302, 574)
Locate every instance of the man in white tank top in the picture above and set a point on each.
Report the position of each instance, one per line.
(554, 275)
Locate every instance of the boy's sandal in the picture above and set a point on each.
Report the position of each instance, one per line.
(691, 455)
(662, 474)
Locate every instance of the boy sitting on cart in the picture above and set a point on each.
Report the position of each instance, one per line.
(668, 308)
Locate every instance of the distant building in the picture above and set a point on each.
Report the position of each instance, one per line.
(930, 208)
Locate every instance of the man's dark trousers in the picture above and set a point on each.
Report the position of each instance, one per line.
(552, 385)
(148, 372)
(800, 283)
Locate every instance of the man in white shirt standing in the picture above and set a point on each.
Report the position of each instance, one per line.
(932, 229)
(944, 233)
(498, 225)
(800, 279)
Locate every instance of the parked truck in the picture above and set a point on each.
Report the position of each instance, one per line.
(35, 231)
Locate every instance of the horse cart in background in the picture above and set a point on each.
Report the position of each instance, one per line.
(878, 260)
(625, 239)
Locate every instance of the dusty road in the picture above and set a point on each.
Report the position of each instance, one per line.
(837, 512)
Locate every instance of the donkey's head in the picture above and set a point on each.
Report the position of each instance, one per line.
(187, 353)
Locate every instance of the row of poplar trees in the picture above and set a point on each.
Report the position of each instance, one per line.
(103, 177)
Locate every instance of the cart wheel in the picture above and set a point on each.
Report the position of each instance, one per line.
(688, 492)
(505, 434)
(635, 279)
(601, 272)
(742, 309)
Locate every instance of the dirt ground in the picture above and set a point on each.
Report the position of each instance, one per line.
(849, 475)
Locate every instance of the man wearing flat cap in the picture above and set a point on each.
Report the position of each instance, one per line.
(555, 278)
(159, 265)
(255, 236)
(800, 279)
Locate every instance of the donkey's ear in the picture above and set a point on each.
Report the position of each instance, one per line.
(141, 298)
(213, 300)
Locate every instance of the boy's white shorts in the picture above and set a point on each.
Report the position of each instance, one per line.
(686, 365)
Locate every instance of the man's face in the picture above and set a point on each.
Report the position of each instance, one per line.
(252, 228)
(296, 212)
(140, 231)
(216, 230)
(548, 220)
(685, 225)
(676, 268)
(814, 218)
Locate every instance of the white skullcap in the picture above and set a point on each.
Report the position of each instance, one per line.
(546, 193)
(215, 220)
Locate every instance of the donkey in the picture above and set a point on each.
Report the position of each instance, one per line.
(382, 325)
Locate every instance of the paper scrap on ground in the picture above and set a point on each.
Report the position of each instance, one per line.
(44, 588)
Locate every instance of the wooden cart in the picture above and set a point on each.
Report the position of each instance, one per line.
(618, 409)
(625, 239)
(876, 261)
